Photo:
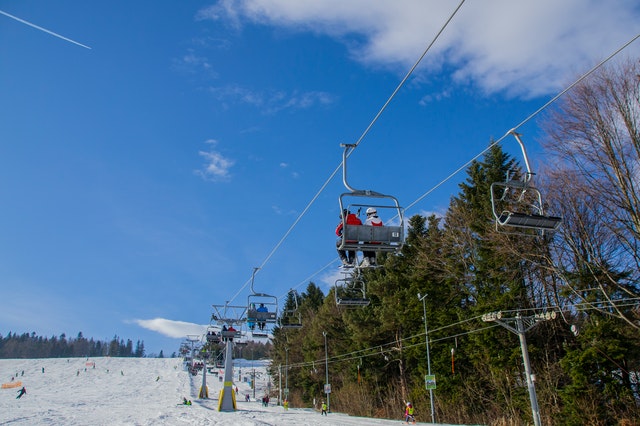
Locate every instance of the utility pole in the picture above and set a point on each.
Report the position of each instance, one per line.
(426, 332)
(253, 377)
(286, 373)
(327, 386)
(522, 325)
(279, 384)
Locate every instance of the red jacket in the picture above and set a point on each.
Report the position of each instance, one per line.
(352, 219)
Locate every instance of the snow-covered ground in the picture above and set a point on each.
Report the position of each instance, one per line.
(142, 391)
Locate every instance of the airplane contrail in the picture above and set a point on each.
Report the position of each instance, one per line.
(43, 29)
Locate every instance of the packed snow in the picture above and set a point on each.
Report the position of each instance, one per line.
(145, 391)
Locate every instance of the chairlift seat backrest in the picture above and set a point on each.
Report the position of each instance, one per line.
(213, 338)
(378, 238)
(258, 316)
(230, 334)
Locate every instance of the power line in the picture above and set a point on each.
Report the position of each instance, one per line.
(390, 346)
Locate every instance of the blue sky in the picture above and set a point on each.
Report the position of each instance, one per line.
(144, 177)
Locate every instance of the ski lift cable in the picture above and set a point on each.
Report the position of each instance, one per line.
(526, 120)
(523, 122)
(357, 143)
(309, 278)
(406, 77)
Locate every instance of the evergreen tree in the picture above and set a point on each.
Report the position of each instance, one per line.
(139, 352)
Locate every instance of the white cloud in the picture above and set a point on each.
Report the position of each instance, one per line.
(171, 328)
(191, 63)
(271, 101)
(217, 166)
(521, 48)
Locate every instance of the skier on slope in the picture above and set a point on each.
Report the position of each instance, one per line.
(21, 392)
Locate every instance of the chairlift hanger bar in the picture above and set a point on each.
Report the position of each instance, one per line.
(345, 154)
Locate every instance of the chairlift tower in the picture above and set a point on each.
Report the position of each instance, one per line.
(228, 315)
(522, 325)
(204, 390)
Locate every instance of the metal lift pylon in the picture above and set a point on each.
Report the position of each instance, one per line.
(227, 398)
(228, 315)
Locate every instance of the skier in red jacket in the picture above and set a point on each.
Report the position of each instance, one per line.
(348, 257)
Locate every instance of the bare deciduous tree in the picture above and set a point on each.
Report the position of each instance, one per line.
(594, 137)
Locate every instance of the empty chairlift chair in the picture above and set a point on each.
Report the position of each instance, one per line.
(517, 205)
(291, 315)
(351, 291)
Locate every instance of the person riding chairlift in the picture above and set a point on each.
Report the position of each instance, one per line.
(348, 257)
(262, 308)
(372, 220)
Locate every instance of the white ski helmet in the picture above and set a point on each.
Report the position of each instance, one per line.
(371, 210)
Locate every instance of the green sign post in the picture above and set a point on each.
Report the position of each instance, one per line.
(430, 381)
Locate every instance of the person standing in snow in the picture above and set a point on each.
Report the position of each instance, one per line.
(324, 409)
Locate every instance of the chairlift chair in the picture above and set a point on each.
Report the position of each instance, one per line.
(212, 335)
(229, 335)
(292, 318)
(220, 360)
(262, 309)
(351, 292)
(387, 238)
(518, 204)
